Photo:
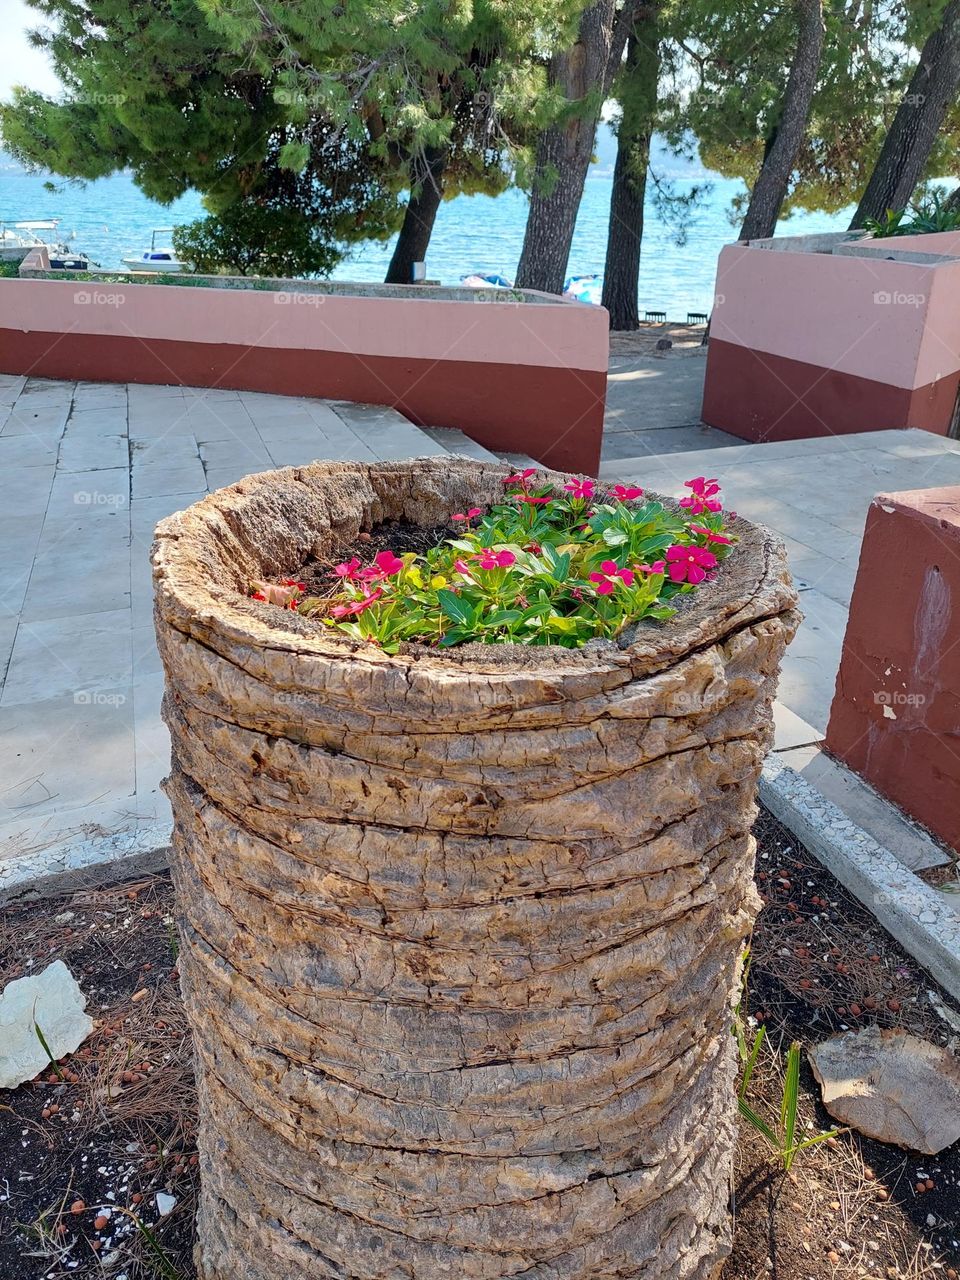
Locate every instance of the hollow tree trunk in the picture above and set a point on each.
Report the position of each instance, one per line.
(426, 193)
(770, 188)
(583, 75)
(638, 99)
(460, 931)
(909, 141)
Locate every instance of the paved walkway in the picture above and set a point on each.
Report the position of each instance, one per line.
(89, 469)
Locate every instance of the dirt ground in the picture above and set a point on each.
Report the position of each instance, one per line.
(686, 340)
(83, 1158)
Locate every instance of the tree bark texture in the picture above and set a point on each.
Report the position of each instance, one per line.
(909, 141)
(770, 188)
(461, 929)
(584, 75)
(638, 97)
(426, 195)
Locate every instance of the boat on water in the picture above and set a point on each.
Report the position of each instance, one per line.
(159, 257)
(17, 239)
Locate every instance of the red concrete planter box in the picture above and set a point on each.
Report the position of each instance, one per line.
(895, 717)
(825, 335)
(518, 371)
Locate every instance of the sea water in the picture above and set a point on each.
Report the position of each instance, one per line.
(111, 219)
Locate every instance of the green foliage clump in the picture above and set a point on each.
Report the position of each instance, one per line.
(933, 212)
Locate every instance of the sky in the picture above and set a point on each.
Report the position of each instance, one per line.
(19, 64)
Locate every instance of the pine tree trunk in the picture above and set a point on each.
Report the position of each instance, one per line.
(583, 74)
(426, 193)
(770, 189)
(460, 935)
(910, 139)
(621, 277)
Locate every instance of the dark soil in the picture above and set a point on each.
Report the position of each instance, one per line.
(398, 536)
(120, 1128)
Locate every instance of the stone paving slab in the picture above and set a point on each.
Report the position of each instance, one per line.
(90, 469)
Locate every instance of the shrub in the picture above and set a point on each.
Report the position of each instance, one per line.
(542, 567)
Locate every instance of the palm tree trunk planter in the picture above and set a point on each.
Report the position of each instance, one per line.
(460, 929)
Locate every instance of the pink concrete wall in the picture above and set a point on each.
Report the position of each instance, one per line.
(557, 334)
(895, 717)
(827, 310)
(526, 376)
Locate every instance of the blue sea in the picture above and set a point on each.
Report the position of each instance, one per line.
(111, 219)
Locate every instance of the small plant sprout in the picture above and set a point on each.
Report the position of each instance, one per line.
(547, 565)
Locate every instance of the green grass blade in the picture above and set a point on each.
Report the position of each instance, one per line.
(46, 1049)
(760, 1125)
(790, 1104)
(751, 1062)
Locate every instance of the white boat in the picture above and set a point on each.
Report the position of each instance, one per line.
(158, 257)
(18, 238)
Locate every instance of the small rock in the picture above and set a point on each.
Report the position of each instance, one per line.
(664, 344)
(891, 1086)
(51, 1000)
(165, 1203)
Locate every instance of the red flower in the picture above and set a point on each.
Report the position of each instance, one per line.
(385, 565)
(710, 535)
(580, 489)
(521, 477)
(348, 568)
(689, 564)
(356, 606)
(466, 515)
(495, 559)
(609, 576)
(658, 566)
(702, 498)
(530, 499)
(627, 493)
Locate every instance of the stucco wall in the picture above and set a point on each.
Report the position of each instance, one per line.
(895, 717)
(516, 371)
(816, 343)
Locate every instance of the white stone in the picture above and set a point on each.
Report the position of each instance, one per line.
(51, 1000)
(165, 1203)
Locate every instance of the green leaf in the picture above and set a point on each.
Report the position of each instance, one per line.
(761, 1126)
(615, 537)
(454, 607)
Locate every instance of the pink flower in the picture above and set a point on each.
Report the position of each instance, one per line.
(702, 498)
(626, 493)
(658, 566)
(530, 499)
(495, 559)
(385, 565)
(610, 574)
(710, 535)
(348, 568)
(461, 566)
(356, 606)
(466, 515)
(521, 477)
(582, 489)
(689, 564)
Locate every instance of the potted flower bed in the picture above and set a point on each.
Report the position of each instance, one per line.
(463, 861)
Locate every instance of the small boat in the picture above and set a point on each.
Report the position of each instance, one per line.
(584, 289)
(485, 280)
(157, 257)
(17, 239)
